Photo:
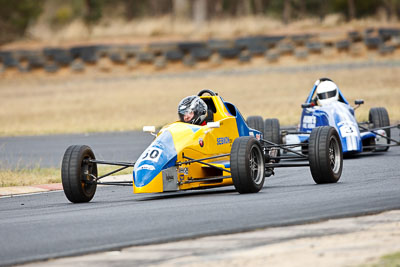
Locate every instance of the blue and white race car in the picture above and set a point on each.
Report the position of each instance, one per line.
(356, 137)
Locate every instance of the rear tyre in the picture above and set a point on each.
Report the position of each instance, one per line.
(272, 133)
(247, 165)
(256, 123)
(379, 117)
(325, 155)
(76, 174)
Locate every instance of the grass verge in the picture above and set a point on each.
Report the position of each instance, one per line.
(34, 176)
(389, 260)
(76, 104)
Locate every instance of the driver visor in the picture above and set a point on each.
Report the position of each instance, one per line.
(327, 95)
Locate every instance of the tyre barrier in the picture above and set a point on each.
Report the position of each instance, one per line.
(244, 56)
(174, 55)
(301, 39)
(387, 34)
(8, 60)
(201, 53)
(301, 54)
(355, 36)
(145, 57)
(285, 48)
(88, 54)
(373, 42)
(383, 40)
(272, 55)
(343, 45)
(386, 49)
(315, 47)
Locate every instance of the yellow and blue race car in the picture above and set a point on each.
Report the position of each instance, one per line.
(223, 152)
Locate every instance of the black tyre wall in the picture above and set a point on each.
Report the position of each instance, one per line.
(72, 174)
(256, 123)
(319, 155)
(240, 165)
(272, 131)
(379, 117)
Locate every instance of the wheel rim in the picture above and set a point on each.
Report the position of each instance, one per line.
(256, 165)
(87, 170)
(334, 155)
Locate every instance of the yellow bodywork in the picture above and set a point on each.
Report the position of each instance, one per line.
(203, 143)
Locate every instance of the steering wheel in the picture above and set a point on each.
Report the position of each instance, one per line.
(204, 91)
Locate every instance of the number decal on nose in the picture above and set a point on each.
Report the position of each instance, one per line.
(152, 154)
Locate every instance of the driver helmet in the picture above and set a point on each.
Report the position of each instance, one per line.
(192, 109)
(327, 92)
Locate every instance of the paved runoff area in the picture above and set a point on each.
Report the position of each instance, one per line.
(339, 242)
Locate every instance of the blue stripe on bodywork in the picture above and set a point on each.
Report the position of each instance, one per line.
(146, 169)
(367, 135)
(242, 127)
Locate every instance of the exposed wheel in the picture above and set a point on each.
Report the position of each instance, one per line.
(256, 123)
(272, 133)
(379, 117)
(76, 174)
(247, 165)
(325, 155)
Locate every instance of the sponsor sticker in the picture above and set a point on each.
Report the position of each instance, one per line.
(146, 167)
(185, 171)
(201, 142)
(309, 122)
(223, 140)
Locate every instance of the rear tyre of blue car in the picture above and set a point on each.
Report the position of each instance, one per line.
(247, 165)
(379, 117)
(325, 155)
(77, 174)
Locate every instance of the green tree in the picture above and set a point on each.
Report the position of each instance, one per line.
(15, 16)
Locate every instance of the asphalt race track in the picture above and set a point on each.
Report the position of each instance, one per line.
(48, 150)
(42, 226)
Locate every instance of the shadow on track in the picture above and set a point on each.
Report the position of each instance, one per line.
(199, 192)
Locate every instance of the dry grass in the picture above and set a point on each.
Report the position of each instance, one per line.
(35, 176)
(22, 177)
(34, 105)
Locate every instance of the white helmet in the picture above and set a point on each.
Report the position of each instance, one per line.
(327, 92)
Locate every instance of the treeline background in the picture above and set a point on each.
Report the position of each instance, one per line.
(16, 16)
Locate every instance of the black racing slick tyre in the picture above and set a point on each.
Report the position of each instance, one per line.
(325, 155)
(256, 123)
(272, 133)
(77, 174)
(247, 165)
(379, 117)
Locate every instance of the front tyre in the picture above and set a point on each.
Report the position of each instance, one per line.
(247, 165)
(325, 155)
(379, 117)
(77, 174)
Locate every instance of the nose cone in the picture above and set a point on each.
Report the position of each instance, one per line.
(160, 155)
